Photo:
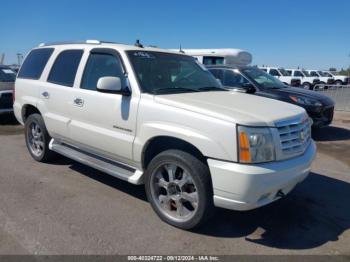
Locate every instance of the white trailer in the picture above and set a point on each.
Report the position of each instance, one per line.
(224, 56)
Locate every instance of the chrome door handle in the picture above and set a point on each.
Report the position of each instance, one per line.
(78, 101)
(45, 94)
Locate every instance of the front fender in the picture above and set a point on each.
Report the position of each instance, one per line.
(208, 146)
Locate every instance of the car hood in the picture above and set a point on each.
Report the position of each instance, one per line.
(325, 100)
(234, 107)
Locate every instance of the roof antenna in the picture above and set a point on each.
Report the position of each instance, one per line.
(180, 50)
(138, 44)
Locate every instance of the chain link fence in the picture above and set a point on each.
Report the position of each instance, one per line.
(339, 93)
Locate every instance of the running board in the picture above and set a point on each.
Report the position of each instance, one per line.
(112, 168)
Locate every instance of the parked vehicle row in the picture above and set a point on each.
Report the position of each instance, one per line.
(160, 118)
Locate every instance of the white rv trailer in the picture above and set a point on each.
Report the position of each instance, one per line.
(224, 56)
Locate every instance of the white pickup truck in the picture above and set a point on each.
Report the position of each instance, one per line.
(154, 117)
(282, 75)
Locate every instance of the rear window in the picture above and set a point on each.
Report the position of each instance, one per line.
(7, 75)
(35, 63)
(65, 67)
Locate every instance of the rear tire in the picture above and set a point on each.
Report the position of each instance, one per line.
(179, 189)
(38, 139)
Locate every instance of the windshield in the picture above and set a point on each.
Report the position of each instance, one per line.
(262, 79)
(306, 73)
(162, 73)
(7, 75)
(324, 74)
(284, 72)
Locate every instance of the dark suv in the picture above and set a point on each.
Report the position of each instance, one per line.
(7, 80)
(255, 81)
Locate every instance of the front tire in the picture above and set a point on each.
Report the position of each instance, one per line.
(38, 139)
(179, 189)
(307, 86)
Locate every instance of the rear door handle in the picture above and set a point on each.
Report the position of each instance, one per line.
(78, 101)
(45, 95)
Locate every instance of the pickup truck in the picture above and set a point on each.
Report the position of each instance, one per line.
(159, 118)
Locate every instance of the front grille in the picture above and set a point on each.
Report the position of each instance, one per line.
(295, 136)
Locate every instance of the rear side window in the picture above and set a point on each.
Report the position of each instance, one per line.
(35, 63)
(65, 67)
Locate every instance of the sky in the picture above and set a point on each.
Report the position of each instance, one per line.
(289, 33)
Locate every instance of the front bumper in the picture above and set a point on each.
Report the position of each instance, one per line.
(244, 187)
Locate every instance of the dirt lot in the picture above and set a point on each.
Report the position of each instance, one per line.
(67, 208)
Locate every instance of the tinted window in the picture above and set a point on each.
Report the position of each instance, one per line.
(298, 73)
(262, 79)
(7, 75)
(313, 73)
(213, 60)
(263, 69)
(274, 72)
(35, 63)
(233, 79)
(65, 67)
(100, 65)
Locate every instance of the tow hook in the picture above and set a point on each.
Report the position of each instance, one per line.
(280, 194)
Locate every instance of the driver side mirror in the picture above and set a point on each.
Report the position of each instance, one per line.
(111, 84)
(250, 89)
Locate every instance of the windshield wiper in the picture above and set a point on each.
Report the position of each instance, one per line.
(173, 89)
(211, 88)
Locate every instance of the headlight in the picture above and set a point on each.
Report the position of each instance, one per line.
(305, 101)
(255, 144)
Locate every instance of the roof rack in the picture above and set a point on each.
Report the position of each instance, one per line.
(91, 42)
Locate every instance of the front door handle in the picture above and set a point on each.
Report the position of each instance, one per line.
(45, 94)
(78, 101)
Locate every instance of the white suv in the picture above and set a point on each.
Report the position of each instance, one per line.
(154, 117)
(283, 75)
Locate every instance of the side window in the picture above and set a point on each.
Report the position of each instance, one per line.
(263, 69)
(65, 67)
(274, 72)
(298, 73)
(100, 65)
(233, 79)
(313, 73)
(213, 60)
(34, 64)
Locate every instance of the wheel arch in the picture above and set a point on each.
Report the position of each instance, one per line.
(158, 144)
(27, 110)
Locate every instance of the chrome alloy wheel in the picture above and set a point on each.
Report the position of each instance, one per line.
(35, 139)
(174, 192)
